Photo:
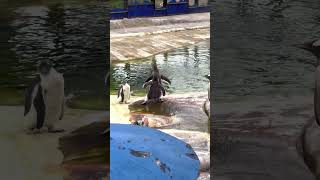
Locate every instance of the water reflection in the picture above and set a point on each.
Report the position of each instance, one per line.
(185, 67)
(253, 48)
(72, 35)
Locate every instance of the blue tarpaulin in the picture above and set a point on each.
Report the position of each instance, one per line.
(141, 153)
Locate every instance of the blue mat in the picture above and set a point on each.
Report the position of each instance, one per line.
(141, 153)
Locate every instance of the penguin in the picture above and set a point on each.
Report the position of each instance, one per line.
(124, 93)
(154, 84)
(314, 48)
(155, 91)
(156, 76)
(44, 99)
(308, 143)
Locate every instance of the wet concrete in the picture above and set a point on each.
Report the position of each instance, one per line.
(186, 111)
(144, 37)
(261, 143)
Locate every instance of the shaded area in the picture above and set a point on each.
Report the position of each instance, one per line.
(86, 152)
(72, 35)
(253, 47)
(38, 156)
(258, 140)
(259, 80)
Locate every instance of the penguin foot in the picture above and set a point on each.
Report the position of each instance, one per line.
(55, 130)
(34, 131)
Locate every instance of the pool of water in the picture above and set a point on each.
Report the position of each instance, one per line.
(72, 34)
(186, 68)
(253, 52)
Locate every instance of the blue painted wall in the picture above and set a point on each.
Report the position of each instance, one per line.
(137, 8)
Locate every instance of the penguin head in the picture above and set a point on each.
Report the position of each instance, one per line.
(124, 82)
(44, 67)
(311, 46)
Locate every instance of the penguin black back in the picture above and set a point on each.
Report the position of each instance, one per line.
(120, 93)
(156, 76)
(155, 91)
(37, 101)
(40, 108)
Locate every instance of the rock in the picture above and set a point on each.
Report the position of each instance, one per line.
(86, 151)
(184, 111)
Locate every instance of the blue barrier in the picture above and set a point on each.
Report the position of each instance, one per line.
(160, 12)
(138, 153)
(143, 10)
(177, 8)
(119, 13)
(149, 10)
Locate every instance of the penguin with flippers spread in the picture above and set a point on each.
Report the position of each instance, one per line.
(154, 85)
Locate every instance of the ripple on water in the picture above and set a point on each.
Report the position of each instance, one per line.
(185, 67)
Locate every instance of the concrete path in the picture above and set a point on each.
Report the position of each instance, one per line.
(143, 37)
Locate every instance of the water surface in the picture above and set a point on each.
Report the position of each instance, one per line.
(186, 68)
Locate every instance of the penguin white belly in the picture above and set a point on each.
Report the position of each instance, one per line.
(53, 91)
(119, 99)
(31, 118)
(126, 93)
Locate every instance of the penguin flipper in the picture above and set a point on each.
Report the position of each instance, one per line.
(149, 78)
(28, 95)
(122, 95)
(147, 84)
(165, 78)
(163, 90)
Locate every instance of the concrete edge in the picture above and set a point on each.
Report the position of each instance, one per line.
(118, 35)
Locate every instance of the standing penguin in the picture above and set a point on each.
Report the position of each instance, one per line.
(124, 93)
(44, 100)
(154, 84)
